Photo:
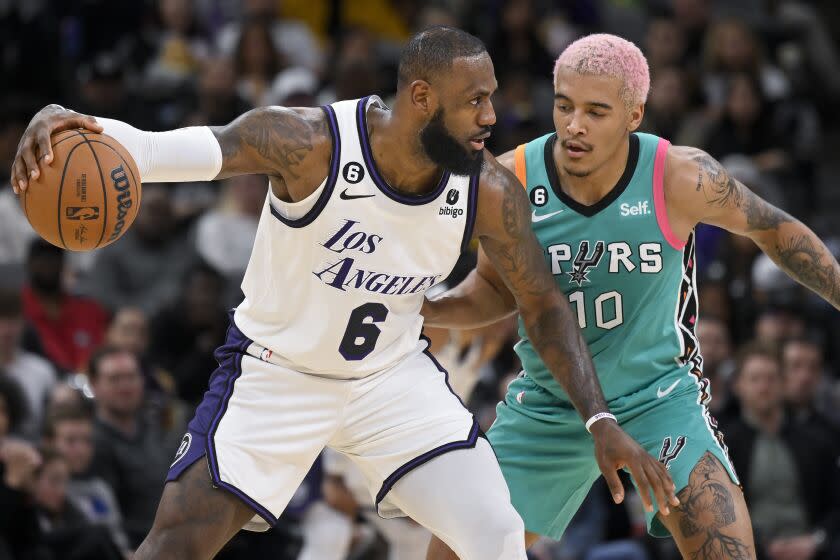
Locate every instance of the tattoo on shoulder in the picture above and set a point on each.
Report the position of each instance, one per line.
(707, 506)
(719, 187)
(722, 190)
(279, 135)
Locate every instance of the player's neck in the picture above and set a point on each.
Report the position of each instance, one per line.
(405, 168)
(591, 188)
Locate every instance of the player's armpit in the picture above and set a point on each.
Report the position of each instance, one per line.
(699, 189)
(481, 299)
(285, 142)
(503, 225)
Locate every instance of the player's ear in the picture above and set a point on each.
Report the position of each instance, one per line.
(637, 113)
(422, 96)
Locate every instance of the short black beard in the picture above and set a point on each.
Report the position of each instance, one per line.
(444, 150)
(576, 173)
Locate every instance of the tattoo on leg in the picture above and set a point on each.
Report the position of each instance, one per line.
(707, 507)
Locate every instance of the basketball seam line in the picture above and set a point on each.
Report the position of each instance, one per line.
(104, 190)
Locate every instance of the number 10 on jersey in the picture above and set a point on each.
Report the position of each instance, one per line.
(601, 309)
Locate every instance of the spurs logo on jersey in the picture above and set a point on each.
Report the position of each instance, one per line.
(669, 453)
(336, 281)
(619, 256)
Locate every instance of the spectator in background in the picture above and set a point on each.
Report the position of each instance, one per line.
(129, 331)
(145, 267)
(69, 430)
(130, 454)
(15, 231)
(747, 128)
(718, 363)
(69, 327)
(100, 85)
(668, 112)
(791, 479)
(517, 44)
(35, 375)
(777, 323)
(217, 101)
(807, 390)
(293, 87)
(664, 45)
(20, 533)
(181, 47)
(225, 235)
(66, 531)
(692, 18)
(13, 409)
(186, 333)
(256, 61)
(291, 38)
(731, 49)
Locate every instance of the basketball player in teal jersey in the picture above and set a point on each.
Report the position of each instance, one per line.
(615, 212)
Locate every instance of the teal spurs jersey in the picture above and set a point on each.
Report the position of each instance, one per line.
(628, 279)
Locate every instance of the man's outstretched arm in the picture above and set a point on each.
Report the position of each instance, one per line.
(504, 228)
(291, 145)
(481, 299)
(701, 189)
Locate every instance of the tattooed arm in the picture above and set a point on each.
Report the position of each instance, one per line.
(481, 299)
(699, 189)
(293, 146)
(290, 145)
(504, 228)
(503, 225)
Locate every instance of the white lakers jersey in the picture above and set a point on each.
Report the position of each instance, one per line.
(335, 282)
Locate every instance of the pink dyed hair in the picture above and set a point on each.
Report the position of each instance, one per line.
(609, 55)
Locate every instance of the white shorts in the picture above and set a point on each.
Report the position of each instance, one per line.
(262, 425)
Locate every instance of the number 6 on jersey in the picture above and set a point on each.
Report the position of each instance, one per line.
(362, 333)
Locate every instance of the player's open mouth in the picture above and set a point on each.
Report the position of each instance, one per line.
(574, 150)
(478, 142)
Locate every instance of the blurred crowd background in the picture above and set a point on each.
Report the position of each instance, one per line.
(104, 355)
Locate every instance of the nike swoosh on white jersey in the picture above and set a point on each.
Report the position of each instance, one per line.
(537, 218)
(660, 393)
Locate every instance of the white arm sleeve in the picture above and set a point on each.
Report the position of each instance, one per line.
(185, 154)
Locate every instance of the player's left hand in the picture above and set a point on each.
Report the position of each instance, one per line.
(614, 450)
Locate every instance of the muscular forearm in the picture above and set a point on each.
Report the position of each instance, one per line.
(554, 333)
(472, 304)
(806, 259)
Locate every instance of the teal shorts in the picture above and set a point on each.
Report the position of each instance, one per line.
(548, 457)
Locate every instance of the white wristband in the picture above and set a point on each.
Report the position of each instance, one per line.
(595, 418)
(184, 154)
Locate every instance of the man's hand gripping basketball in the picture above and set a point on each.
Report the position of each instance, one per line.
(35, 146)
(512, 273)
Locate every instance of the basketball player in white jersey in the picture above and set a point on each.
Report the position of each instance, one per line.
(369, 207)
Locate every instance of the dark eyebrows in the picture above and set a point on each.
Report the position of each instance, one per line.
(473, 93)
(599, 104)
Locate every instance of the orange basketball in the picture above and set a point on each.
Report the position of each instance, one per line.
(90, 194)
